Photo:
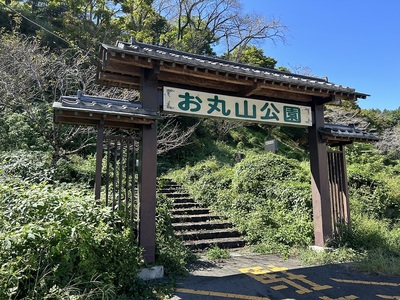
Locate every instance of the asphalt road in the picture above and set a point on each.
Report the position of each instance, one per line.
(251, 276)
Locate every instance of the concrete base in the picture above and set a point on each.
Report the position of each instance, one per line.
(320, 249)
(155, 272)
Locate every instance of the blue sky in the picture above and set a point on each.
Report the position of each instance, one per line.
(355, 43)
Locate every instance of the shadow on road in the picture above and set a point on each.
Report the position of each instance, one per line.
(269, 277)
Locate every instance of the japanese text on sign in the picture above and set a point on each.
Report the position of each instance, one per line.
(210, 105)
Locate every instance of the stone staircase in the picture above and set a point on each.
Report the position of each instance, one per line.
(198, 228)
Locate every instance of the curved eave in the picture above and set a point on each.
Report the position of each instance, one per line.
(122, 66)
(334, 133)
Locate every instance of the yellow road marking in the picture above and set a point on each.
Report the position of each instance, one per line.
(279, 287)
(254, 270)
(303, 278)
(351, 297)
(265, 276)
(389, 297)
(219, 294)
(277, 269)
(366, 282)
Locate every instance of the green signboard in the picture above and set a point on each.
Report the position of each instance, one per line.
(182, 101)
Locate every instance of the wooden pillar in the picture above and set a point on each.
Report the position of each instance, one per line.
(148, 171)
(322, 215)
(346, 204)
(99, 159)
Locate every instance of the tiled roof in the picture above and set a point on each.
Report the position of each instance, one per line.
(204, 64)
(223, 65)
(91, 110)
(103, 105)
(337, 132)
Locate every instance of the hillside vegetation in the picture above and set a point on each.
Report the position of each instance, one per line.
(268, 195)
(57, 243)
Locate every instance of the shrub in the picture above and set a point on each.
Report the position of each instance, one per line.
(170, 251)
(31, 166)
(56, 242)
(76, 168)
(56, 239)
(257, 172)
(267, 196)
(370, 194)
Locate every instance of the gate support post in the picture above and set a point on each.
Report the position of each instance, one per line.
(99, 158)
(319, 180)
(148, 171)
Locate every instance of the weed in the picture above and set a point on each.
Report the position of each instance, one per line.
(215, 253)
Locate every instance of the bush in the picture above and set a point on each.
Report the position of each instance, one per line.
(171, 252)
(30, 166)
(370, 193)
(56, 242)
(267, 196)
(76, 168)
(37, 167)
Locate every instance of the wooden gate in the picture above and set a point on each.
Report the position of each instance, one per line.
(121, 176)
(338, 189)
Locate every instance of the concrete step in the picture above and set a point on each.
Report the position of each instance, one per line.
(193, 218)
(195, 225)
(202, 225)
(189, 211)
(208, 234)
(165, 190)
(177, 195)
(184, 200)
(178, 205)
(231, 242)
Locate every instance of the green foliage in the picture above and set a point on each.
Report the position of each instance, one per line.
(379, 261)
(378, 120)
(171, 253)
(328, 256)
(253, 56)
(142, 22)
(372, 184)
(76, 168)
(266, 195)
(249, 136)
(17, 133)
(255, 173)
(57, 243)
(31, 166)
(37, 167)
(57, 239)
(216, 254)
(378, 244)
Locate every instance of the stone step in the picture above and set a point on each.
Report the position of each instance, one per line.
(193, 218)
(184, 200)
(165, 190)
(177, 195)
(189, 211)
(179, 205)
(208, 234)
(231, 242)
(195, 225)
(202, 225)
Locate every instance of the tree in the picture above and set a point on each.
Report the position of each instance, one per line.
(31, 79)
(253, 56)
(140, 21)
(346, 116)
(61, 24)
(390, 142)
(171, 136)
(216, 22)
